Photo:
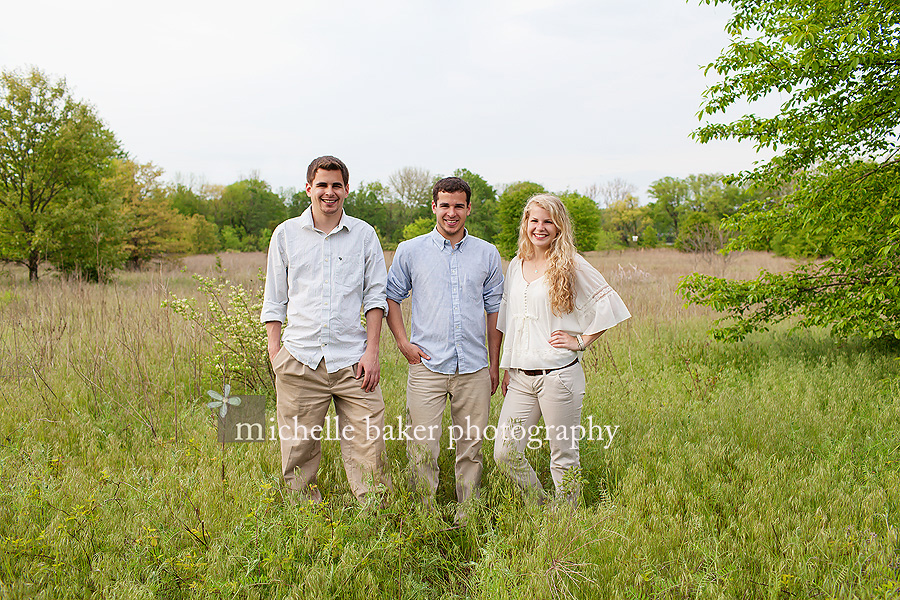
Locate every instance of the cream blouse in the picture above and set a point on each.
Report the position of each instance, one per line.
(526, 320)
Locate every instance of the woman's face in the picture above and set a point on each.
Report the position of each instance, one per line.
(541, 229)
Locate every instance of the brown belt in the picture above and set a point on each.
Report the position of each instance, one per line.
(535, 372)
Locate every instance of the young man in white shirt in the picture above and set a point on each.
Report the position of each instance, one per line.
(323, 268)
(456, 282)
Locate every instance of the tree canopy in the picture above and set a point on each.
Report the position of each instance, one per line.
(153, 228)
(586, 219)
(483, 220)
(54, 153)
(249, 210)
(837, 64)
(509, 210)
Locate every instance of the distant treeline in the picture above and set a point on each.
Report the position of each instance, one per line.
(72, 197)
(179, 218)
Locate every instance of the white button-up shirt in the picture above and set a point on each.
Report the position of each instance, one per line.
(320, 282)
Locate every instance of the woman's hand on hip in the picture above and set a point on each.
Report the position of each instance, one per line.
(562, 340)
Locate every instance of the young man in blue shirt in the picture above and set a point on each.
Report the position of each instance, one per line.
(456, 283)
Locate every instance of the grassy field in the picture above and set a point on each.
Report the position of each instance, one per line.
(765, 469)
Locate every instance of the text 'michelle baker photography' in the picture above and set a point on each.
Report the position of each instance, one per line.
(236, 428)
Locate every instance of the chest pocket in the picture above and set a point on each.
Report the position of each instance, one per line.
(472, 284)
(348, 271)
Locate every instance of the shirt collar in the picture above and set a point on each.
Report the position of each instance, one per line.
(306, 220)
(440, 241)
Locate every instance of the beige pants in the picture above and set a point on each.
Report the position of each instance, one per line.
(557, 396)
(470, 405)
(303, 398)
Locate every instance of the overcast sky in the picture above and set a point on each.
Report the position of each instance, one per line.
(562, 92)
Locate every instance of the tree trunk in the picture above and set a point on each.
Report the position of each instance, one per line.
(34, 261)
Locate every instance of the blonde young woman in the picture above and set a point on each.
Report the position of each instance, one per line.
(555, 305)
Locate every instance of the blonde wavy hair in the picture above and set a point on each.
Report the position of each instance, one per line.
(560, 273)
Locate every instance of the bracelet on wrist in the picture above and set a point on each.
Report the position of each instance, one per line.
(580, 341)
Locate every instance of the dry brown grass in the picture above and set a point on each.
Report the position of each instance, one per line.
(646, 279)
(244, 263)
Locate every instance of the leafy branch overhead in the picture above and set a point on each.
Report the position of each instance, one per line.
(835, 181)
(836, 63)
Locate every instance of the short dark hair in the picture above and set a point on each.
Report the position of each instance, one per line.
(450, 185)
(328, 163)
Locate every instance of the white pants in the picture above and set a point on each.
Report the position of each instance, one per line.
(557, 396)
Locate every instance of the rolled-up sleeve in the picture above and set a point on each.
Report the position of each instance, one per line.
(493, 286)
(399, 282)
(375, 276)
(275, 296)
(502, 312)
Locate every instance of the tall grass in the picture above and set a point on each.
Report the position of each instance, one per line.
(762, 469)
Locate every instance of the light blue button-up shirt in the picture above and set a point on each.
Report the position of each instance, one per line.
(320, 282)
(452, 288)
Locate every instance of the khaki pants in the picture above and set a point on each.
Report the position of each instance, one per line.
(470, 405)
(303, 398)
(557, 396)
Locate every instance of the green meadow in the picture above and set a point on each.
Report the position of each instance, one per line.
(763, 469)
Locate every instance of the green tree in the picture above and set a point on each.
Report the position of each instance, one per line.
(837, 66)
(153, 228)
(586, 219)
(400, 215)
(418, 227)
(696, 225)
(627, 218)
(377, 204)
(230, 239)
(483, 220)
(88, 235)
(672, 197)
(188, 202)
(251, 210)
(297, 203)
(706, 193)
(366, 202)
(509, 215)
(202, 235)
(54, 152)
(649, 237)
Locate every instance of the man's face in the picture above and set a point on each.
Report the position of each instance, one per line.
(327, 192)
(451, 210)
